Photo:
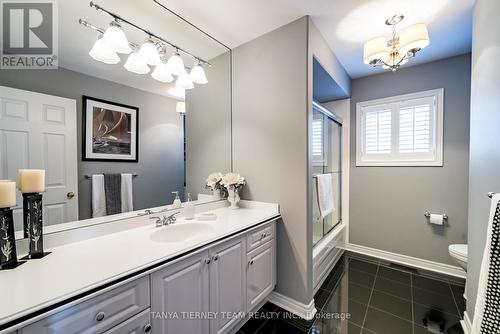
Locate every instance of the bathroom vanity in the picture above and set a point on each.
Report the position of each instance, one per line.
(188, 277)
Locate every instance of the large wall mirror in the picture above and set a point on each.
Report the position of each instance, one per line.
(90, 118)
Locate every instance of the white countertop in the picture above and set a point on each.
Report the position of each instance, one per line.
(78, 267)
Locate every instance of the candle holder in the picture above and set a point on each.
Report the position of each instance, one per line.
(8, 254)
(33, 225)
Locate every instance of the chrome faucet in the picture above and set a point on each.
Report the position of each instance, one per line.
(166, 220)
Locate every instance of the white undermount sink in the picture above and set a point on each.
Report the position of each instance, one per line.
(180, 232)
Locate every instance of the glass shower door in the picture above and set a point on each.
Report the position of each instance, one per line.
(327, 159)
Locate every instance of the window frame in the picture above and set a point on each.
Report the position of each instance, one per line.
(435, 158)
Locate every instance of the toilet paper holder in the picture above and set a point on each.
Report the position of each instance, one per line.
(428, 215)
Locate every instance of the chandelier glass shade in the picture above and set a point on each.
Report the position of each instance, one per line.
(198, 75)
(184, 81)
(162, 73)
(136, 64)
(393, 53)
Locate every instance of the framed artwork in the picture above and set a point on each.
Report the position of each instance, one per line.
(110, 131)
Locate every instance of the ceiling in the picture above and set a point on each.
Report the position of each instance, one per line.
(75, 41)
(345, 24)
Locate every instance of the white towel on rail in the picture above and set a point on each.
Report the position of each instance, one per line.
(127, 193)
(487, 311)
(98, 196)
(324, 189)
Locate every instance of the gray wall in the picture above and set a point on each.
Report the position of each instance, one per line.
(387, 204)
(484, 134)
(270, 118)
(161, 160)
(208, 125)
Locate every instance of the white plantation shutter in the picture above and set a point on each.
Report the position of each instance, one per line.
(403, 130)
(317, 137)
(378, 132)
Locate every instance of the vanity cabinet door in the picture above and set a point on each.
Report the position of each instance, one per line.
(260, 274)
(227, 285)
(180, 296)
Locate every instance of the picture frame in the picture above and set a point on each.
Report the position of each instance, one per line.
(110, 131)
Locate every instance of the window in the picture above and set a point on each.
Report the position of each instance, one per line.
(405, 130)
(317, 138)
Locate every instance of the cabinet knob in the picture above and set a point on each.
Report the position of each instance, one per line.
(216, 257)
(100, 316)
(70, 195)
(207, 261)
(147, 328)
(250, 262)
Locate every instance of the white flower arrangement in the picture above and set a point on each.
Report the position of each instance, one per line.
(214, 181)
(233, 181)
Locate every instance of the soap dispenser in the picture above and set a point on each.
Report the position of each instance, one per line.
(189, 208)
(177, 201)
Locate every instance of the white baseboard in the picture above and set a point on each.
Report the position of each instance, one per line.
(291, 305)
(466, 324)
(409, 261)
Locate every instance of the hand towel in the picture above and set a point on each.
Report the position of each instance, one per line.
(112, 189)
(325, 194)
(487, 311)
(127, 193)
(98, 196)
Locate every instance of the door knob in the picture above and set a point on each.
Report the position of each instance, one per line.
(70, 195)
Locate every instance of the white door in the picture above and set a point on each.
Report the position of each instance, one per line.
(260, 274)
(39, 131)
(180, 297)
(227, 285)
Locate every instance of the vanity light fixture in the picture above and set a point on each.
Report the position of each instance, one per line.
(136, 64)
(148, 54)
(162, 73)
(198, 74)
(176, 64)
(116, 38)
(184, 81)
(399, 49)
(103, 53)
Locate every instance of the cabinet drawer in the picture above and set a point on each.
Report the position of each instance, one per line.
(260, 236)
(98, 314)
(139, 324)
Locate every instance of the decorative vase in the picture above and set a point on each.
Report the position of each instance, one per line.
(33, 225)
(233, 198)
(8, 254)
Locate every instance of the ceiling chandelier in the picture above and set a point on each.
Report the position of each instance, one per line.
(399, 49)
(142, 57)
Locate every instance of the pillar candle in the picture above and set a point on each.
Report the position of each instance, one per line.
(32, 180)
(7, 194)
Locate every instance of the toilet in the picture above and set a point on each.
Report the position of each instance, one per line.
(459, 253)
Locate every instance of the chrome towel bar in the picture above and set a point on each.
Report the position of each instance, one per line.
(88, 177)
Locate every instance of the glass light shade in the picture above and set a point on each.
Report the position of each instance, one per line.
(176, 64)
(102, 52)
(116, 39)
(181, 107)
(375, 49)
(198, 75)
(413, 37)
(162, 73)
(150, 53)
(136, 64)
(184, 81)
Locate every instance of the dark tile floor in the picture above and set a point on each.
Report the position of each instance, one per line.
(362, 295)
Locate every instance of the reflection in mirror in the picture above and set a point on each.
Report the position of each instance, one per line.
(138, 108)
